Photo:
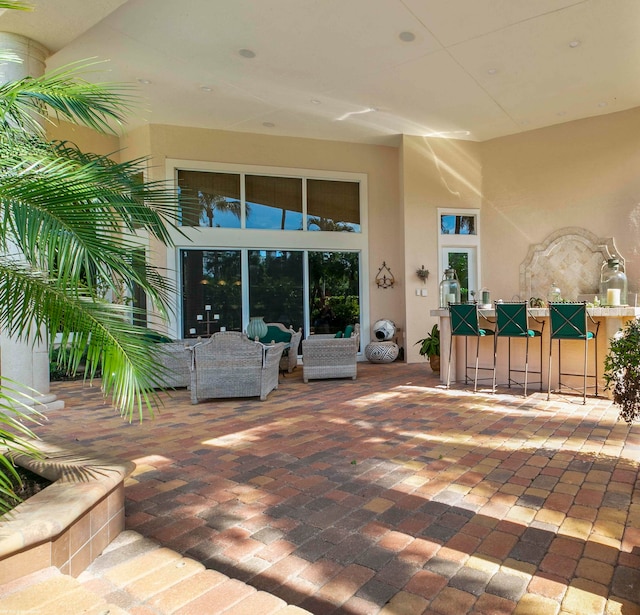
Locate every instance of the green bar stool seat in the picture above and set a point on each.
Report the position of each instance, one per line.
(571, 321)
(512, 321)
(465, 322)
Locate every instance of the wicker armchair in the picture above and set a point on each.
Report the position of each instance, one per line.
(174, 363)
(326, 356)
(277, 332)
(229, 364)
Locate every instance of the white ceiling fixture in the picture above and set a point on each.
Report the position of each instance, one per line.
(441, 82)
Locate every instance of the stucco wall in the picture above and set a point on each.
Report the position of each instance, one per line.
(86, 139)
(583, 173)
(435, 173)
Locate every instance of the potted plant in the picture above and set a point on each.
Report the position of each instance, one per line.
(622, 371)
(430, 347)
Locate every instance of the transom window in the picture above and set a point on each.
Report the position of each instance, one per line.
(251, 201)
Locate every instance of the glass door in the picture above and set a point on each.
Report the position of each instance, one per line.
(463, 260)
(334, 290)
(276, 286)
(224, 288)
(211, 291)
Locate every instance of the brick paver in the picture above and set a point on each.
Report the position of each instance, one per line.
(382, 495)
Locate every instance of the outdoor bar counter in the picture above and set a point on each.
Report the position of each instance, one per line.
(611, 320)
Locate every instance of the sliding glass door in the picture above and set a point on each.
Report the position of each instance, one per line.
(334, 295)
(276, 286)
(316, 290)
(211, 291)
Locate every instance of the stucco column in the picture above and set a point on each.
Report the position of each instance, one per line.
(24, 362)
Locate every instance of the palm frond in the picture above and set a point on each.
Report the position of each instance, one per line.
(65, 95)
(16, 5)
(16, 414)
(82, 325)
(74, 214)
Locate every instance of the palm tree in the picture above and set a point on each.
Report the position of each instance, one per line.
(211, 203)
(68, 224)
(327, 224)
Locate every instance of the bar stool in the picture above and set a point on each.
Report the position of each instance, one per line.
(570, 321)
(512, 321)
(465, 322)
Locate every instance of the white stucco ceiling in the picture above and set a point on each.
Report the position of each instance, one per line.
(337, 69)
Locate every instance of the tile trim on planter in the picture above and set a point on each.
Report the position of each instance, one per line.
(68, 524)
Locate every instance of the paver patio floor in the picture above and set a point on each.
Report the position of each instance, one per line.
(388, 494)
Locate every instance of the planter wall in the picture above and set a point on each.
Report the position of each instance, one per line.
(71, 522)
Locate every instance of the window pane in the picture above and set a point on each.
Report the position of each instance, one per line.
(276, 288)
(334, 300)
(333, 205)
(213, 199)
(211, 278)
(460, 262)
(457, 225)
(274, 202)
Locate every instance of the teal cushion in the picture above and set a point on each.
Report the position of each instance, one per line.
(275, 334)
(158, 338)
(348, 331)
(485, 331)
(339, 334)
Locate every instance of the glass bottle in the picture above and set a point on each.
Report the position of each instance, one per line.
(449, 288)
(613, 283)
(555, 294)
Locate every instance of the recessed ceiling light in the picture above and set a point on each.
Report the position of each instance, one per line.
(206, 88)
(407, 37)
(247, 53)
(602, 104)
(268, 124)
(315, 101)
(574, 44)
(492, 71)
(144, 81)
(561, 113)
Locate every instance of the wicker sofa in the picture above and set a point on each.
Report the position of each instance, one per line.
(229, 364)
(327, 356)
(277, 332)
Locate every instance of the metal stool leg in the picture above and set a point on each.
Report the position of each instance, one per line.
(495, 355)
(549, 369)
(526, 364)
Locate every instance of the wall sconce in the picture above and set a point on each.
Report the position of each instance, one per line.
(382, 280)
(423, 274)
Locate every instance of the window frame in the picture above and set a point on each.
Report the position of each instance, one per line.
(466, 243)
(185, 237)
